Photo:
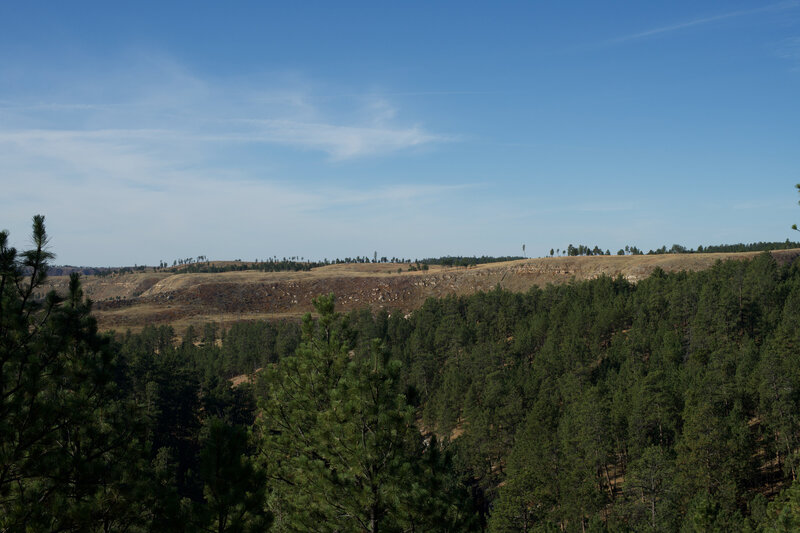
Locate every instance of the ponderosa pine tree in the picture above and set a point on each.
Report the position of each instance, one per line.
(340, 445)
(68, 456)
(779, 375)
(233, 487)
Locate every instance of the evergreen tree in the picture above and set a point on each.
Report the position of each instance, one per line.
(233, 488)
(783, 514)
(340, 445)
(68, 450)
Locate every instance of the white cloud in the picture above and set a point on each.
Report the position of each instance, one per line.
(128, 196)
(340, 142)
(156, 97)
(706, 20)
(159, 164)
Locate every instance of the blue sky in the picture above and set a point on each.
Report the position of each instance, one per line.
(330, 129)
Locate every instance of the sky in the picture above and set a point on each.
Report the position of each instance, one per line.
(150, 131)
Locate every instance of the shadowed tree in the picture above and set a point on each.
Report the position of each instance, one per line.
(68, 455)
(234, 489)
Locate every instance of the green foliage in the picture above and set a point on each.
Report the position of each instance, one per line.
(233, 488)
(238, 266)
(657, 406)
(340, 443)
(68, 455)
(465, 261)
(584, 250)
(666, 405)
(200, 472)
(783, 514)
(679, 249)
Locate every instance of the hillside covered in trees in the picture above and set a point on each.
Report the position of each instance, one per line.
(670, 404)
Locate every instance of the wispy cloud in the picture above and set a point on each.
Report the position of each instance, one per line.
(339, 141)
(705, 20)
(119, 197)
(789, 49)
(162, 164)
(159, 98)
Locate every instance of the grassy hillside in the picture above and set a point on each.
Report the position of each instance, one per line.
(134, 300)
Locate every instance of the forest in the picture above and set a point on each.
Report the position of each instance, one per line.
(671, 404)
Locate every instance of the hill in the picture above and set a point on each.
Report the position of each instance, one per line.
(134, 300)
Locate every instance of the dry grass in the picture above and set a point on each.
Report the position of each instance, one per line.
(132, 301)
(244, 378)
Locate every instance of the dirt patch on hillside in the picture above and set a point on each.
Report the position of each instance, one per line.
(113, 286)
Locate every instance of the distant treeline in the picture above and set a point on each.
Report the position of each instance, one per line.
(740, 247)
(297, 264)
(581, 249)
(294, 264)
(66, 270)
(459, 260)
(265, 266)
